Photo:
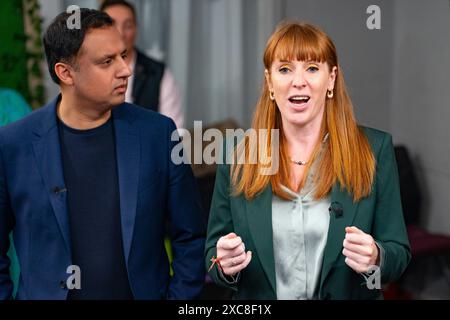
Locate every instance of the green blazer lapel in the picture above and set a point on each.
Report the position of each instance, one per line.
(259, 216)
(342, 214)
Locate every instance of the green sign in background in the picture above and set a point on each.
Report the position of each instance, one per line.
(13, 57)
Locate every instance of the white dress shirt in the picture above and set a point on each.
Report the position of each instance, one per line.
(169, 95)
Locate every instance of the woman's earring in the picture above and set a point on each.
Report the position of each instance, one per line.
(330, 94)
(272, 95)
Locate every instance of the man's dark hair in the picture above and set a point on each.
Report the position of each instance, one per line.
(62, 44)
(109, 3)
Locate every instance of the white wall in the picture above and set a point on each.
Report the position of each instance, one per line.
(365, 55)
(420, 108)
(49, 10)
(223, 61)
(399, 80)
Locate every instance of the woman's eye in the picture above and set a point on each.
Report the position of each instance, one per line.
(284, 70)
(312, 69)
(107, 62)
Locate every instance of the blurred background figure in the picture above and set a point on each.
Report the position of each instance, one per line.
(152, 84)
(12, 106)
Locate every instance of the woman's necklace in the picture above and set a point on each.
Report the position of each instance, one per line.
(299, 162)
(304, 163)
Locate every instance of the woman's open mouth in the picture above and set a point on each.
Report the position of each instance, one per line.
(299, 100)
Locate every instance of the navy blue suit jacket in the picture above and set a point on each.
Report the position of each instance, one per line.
(152, 188)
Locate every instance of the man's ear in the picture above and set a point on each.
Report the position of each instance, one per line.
(65, 73)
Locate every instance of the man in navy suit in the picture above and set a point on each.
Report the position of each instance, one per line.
(87, 183)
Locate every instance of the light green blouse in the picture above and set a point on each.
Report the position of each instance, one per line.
(300, 229)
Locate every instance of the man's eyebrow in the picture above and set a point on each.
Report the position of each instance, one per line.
(111, 56)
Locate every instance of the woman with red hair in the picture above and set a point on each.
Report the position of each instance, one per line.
(328, 224)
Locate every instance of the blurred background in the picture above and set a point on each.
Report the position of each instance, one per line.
(398, 78)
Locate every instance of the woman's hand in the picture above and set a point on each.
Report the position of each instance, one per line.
(360, 250)
(232, 255)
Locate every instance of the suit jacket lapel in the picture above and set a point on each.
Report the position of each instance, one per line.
(47, 150)
(342, 214)
(259, 216)
(128, 155)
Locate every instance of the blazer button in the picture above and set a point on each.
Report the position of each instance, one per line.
(63, 285)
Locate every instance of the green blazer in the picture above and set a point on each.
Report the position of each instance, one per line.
(380, 215)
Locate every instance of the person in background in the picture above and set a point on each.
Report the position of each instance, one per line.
(13, 107)
(329, 222)
(151, 84)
